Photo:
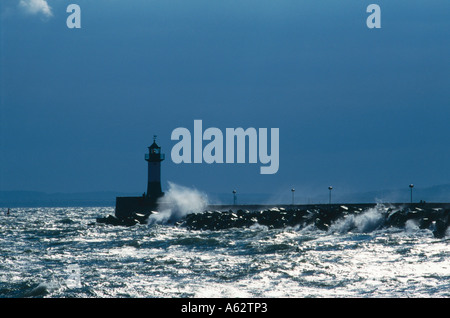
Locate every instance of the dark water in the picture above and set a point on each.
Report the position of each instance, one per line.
(63, 252)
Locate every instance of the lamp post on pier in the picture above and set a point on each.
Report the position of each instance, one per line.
(411, 186)
(330, 188)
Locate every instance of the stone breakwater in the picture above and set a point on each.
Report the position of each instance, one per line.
(323, 217)
(336, 217)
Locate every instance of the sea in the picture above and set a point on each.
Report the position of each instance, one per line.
(62, 252)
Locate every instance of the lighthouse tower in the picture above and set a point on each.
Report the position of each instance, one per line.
(127, 207)
(154, 158)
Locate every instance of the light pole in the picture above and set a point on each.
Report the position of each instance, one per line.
(234, 197)
(411, 186)
(293, 190)
(330, 188)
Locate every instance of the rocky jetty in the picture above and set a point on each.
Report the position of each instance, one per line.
(436, 219)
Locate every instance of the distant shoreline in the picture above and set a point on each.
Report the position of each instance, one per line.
(432, 194)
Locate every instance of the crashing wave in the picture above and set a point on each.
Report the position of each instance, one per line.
(340, 219)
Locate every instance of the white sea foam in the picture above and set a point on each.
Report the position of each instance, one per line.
(171, 261)
(368, 221)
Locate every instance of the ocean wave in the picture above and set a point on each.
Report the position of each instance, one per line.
(378, 251)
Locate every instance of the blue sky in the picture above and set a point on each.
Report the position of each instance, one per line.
(358, 109)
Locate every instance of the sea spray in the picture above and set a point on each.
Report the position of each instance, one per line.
(177, 203)
(367, 221)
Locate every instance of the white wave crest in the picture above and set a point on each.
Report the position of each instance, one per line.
(367, 221)
(177, 203)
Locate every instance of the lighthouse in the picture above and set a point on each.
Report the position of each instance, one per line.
(127, 207)
(154, 158)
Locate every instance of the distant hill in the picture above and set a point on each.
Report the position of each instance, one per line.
(437, 194)
(35, 198)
